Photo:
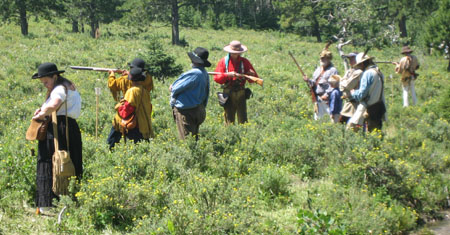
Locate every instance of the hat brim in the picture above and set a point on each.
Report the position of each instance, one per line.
(198, 60)
(229, 50)
(362, 61)
(133, 66)
(407, 51)
(36, 75)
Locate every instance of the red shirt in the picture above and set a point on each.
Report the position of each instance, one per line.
(233, 66)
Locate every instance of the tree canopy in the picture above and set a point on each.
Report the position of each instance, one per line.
(366, 22)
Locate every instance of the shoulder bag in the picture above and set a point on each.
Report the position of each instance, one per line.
(63, 167)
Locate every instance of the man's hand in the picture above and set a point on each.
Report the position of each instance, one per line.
(324, 97)
(111, 73)
(125, 72)
(251, 72)
(232, 74)
(305, 78)
(170, 88)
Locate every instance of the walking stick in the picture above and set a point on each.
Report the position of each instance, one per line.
(311, 88)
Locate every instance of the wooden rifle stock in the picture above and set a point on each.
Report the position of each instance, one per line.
(258, 81)
(311, 88)
(96, 69)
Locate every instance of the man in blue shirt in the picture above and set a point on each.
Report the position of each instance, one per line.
(370, 95)
(190, 93)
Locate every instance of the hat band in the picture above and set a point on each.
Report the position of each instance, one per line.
(197, 55)
(236, 48)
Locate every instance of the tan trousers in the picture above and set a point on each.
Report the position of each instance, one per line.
(189, 120)
(236, 104)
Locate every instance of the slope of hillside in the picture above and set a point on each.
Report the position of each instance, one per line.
(281, 173)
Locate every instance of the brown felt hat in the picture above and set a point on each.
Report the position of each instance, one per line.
(406, 49)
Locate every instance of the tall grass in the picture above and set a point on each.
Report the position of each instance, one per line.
(251, 178)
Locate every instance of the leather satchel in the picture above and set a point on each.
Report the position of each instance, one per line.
(37, 129)
(129, 123)
(62, 164)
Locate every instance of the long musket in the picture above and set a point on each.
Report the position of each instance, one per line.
(311, 88)
(384, 62)
(96, 69)
(258, 81)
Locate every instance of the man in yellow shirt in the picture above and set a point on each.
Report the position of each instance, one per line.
(122, 84)
(136, 102)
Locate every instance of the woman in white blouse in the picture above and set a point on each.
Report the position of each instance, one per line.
(59, 90)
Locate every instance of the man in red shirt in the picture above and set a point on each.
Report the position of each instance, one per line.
(231, 69)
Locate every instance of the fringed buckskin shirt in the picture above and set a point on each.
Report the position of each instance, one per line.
(122, 84)
(139, 98)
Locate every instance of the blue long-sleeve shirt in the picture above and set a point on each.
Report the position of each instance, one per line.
(370, 87)
(190, 89)
(335, 101)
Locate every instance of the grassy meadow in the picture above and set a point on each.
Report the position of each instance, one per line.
(281, 173)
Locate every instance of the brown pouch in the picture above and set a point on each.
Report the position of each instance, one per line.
(37, 130)
(129, 123)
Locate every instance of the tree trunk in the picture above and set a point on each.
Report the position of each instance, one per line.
(175, 20)
(448, 67)
(23, 18)
(316, 29)
(93, 28)
(75, 26)
(402, 27)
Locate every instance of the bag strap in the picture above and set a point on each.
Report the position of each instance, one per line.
(55, 130)
(142, 99)
(55, 125)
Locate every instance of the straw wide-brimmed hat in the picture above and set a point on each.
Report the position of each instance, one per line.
(200, 56)
(406, 49)
(326, 54)
(361, 57)
(47, 69)
(235, 47)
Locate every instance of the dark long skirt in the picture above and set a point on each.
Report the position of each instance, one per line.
(46, 148)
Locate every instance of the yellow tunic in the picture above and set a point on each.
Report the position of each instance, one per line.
(122, 84)
(140, 99)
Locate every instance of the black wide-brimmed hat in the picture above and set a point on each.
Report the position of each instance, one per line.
(200, 56)
(136, 74)
(137, 63)
(47, 69)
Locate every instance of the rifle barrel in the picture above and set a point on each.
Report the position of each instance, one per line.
(384, 62)
(95, 69)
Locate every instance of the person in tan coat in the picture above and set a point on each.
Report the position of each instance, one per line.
(349, 82)
(407, 69)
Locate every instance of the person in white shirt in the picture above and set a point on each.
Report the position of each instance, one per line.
(60, 91)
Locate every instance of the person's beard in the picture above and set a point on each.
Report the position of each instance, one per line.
(324, 64)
